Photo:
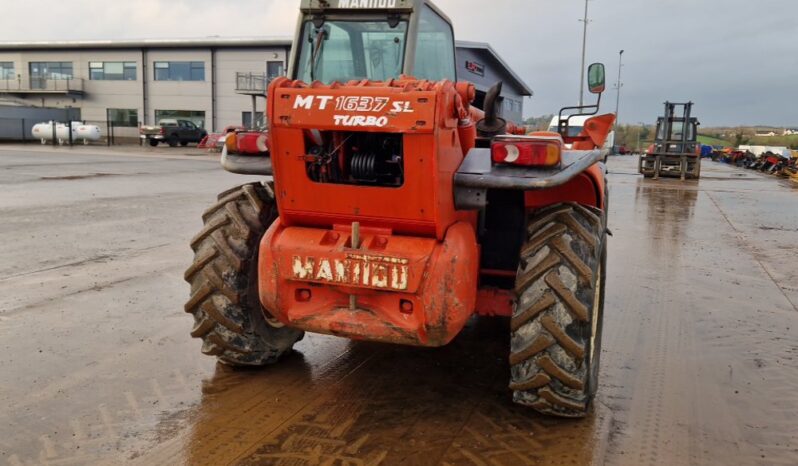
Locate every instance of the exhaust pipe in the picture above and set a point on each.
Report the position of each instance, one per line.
(492, 125)
(247, 164)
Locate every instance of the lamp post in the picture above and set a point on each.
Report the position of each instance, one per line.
(619, 85)
(584, 50)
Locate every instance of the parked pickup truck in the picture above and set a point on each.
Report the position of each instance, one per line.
(172, 132)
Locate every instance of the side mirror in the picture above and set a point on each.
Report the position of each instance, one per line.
(596, 80)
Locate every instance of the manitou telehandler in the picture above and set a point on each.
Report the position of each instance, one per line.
(396, 211)
(675, 152)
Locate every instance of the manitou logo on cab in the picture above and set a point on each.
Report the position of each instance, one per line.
(367, 3)
(356, 270)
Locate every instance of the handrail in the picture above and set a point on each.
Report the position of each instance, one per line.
(42, 85)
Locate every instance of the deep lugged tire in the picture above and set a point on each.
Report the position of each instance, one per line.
(224, 296)
(559, 307)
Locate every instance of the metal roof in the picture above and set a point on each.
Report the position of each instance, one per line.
(149, 43)
(487, 48)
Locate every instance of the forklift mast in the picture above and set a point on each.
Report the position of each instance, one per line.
(677, 130)
(675, 152)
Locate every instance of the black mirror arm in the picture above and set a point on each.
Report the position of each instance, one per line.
(563, 124)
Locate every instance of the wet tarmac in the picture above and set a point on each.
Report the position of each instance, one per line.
(699, 365)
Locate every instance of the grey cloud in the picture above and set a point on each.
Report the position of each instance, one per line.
(735, 58)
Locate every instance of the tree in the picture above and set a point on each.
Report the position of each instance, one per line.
(740, 138)
(540, 123)
(645, 133)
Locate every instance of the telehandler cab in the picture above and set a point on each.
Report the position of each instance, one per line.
(396, 210)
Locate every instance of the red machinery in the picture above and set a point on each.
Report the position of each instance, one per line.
(397, 211)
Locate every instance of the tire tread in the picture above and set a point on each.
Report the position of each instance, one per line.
(225, 306)
(551, 323)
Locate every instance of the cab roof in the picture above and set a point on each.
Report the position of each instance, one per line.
(348, 6)
(402, 5)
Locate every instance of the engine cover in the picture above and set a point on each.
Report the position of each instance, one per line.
(380, 153)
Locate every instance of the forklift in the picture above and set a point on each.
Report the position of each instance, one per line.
(675, 152)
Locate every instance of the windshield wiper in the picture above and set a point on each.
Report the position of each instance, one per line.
(321, 35)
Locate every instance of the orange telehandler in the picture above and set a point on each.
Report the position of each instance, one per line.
(396, 210)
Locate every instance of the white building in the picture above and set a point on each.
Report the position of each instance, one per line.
(213, 82)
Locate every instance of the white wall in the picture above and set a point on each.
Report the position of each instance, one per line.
(179, 95)
(230, 105)
(162, 95)
(99, 95)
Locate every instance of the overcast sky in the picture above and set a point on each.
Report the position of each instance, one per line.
(737, 59)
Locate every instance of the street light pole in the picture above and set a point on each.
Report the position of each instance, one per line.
(618, 98)
(584, 50)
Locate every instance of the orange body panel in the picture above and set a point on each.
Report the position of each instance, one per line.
(493, 302)
(423, 112)
(594, 134)
(587, 189)
(414, 277)
(409, 290)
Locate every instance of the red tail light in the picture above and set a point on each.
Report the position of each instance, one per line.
(529, 151)
(252, 143)
(163, 130)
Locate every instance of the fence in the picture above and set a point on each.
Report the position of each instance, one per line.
(252, 83)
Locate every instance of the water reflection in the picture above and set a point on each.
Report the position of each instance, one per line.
(668, 213)
(382, 404)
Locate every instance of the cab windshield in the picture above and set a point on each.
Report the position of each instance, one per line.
(346, 50)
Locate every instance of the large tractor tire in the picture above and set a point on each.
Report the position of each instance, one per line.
(557, 320)
(224, 281)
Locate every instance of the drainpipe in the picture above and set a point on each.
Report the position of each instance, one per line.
(254, 111)
(213, 91)
(144, 97)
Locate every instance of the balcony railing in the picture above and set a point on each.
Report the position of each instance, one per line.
(252, 83)
(42, 86)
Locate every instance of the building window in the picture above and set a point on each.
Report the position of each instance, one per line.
(513, 105)
(7, 70)
(246, 119)
(275, 69)
(127, 117)
(196, 117)
(179, 71)
(43, 71)
(112, 71)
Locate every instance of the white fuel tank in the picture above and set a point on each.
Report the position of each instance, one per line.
(86, 133)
